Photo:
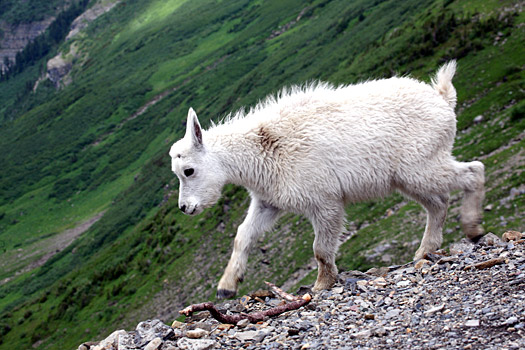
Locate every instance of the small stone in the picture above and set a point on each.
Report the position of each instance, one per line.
(178, 324)
(489, 239)
(434, 309)
(420, 263)
(244, 301)
(262, 293)
(224, 326)
(111, 341)
(392, 313)
(378, 282)
(151, 329)
(511, 321)
(403, 283)
(154, 344)
(374, 271)
(472, 323)
(511, 236)
(463, 246)
(363, 334)
(243, 323)
(478, 119)
(293, 331)
(489, 207)
(447, 259)
(338, 290)
(246, 335)
(369, 317)
(380, 332)
(196, 333)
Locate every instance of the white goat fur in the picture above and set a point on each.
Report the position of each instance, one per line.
(310, 150)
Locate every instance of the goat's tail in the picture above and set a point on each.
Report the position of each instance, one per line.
(442, 83)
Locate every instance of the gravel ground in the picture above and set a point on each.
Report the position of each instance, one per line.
(473, 298)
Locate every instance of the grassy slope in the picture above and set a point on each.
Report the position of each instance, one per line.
(219, 60)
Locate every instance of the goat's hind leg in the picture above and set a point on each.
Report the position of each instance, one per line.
(436, 207)
(261, 217)
(471, 179)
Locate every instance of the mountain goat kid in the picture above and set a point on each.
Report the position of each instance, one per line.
(310, 150)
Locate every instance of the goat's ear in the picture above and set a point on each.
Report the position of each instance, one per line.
(193, 128)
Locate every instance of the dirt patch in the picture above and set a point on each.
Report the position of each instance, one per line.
(38, 253)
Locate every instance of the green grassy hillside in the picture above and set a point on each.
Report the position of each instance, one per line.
(98, 148)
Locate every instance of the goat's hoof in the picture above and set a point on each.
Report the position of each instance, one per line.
(475, 233)
(225, 294)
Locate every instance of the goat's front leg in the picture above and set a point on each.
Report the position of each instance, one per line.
(328, 225)
(261, 218)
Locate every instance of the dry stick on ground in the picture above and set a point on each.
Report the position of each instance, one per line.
(281, 293)
(252, 317)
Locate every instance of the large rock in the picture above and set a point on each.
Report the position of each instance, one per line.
(57, 69)
(16, 37)
(89, 16)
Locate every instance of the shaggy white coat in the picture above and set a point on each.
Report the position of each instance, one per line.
(310, 150)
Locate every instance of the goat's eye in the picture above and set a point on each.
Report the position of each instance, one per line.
(189, 172)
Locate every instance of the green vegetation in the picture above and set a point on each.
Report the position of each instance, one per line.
(43, 44)
(70, 154)
(15, 11)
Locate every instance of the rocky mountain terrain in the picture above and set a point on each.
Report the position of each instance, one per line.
(16, 36)
(91, 237)
(471, 297)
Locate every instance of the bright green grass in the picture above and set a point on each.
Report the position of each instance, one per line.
(156, 12)
(177, 70)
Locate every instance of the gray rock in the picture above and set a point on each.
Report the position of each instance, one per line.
(380, 332)
(195, 344)
(111, 341)
(363, 334)
(434, 309)
(148, 330)
(243, 323)
(511, 321)
(196, 333)
(154, 344)
(392, 313)
(472, 323)
(462, 247)
(490, 239)
(246, 335)
(126, 341)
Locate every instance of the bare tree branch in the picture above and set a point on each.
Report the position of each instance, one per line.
(281, 293)
(253, 317)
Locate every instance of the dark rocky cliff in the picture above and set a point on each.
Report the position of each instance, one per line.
(15, 37)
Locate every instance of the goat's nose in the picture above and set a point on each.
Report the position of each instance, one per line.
(183, 208)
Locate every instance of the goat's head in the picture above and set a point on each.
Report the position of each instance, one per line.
(198, 170)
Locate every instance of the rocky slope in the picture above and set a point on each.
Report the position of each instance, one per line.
(16, 37)
(471, 297)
